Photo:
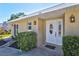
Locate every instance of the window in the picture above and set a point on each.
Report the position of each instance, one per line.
(14, 30)
(29, 25)
(51, 28)
(17, 28)
(59, 28)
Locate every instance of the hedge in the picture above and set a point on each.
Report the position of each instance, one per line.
(71, 45)
(26, 40)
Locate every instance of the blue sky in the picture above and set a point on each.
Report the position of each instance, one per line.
(6, 9)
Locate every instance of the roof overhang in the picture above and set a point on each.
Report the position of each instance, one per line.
(52, 14)
(57, 10)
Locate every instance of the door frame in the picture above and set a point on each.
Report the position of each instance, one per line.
(61, 30)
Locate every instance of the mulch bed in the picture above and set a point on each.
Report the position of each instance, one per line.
(2, 42)
(14, 45)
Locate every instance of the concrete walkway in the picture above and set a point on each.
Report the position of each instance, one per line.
(39, 52)
(8, 51)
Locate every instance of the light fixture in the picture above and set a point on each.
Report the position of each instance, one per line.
(34, 22)
(72, 18)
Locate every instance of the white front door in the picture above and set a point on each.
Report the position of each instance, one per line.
(54, 31)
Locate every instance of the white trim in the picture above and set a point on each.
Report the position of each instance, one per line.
(51, 38)
(29, 25)
(57, 7)
(30, 30)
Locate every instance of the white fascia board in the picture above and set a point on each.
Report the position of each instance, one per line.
(30, 15)
(57, 7)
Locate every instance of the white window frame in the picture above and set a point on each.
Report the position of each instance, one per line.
(29, 25)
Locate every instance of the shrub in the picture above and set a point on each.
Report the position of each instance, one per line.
(71, 45)
(26, 40)
(1, 37)
(13, 37)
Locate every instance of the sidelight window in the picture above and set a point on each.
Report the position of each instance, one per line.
(29, 25)
(51, 28)
(59, 28)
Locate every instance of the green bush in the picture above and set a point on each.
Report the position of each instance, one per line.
(1, 37)
(26, 40)
(71, 45)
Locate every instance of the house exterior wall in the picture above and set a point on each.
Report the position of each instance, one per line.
(71, 28)
(68, 27)
(23, 25)
(42, 31)
(40, 27)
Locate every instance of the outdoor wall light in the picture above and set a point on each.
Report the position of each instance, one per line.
(72, 18)
(34, 22)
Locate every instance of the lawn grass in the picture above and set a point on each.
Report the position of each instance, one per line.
(5, 36)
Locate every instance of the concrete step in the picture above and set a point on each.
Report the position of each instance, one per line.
(57, 51)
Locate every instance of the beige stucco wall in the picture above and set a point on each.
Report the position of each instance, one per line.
(40, 27)
(72, 28)
(42, 31)
(23, 25)
(68, 28)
